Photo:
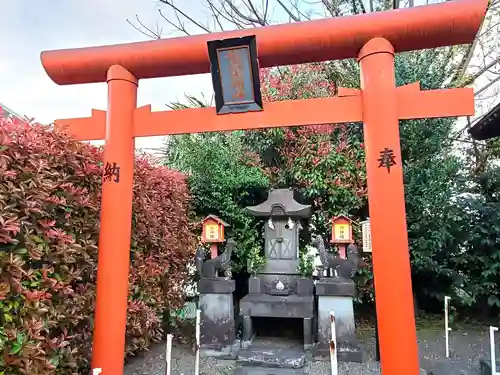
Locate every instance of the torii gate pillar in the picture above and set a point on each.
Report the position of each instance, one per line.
(387, 210)
(113, 261)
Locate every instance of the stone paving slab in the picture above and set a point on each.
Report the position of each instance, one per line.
(447, 367)
(267, 357)
(267, 371)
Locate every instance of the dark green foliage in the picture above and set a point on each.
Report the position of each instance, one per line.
(224, 180)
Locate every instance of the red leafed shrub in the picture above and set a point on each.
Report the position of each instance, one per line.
(49, 210)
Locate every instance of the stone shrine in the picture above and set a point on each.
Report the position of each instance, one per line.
(278, 290)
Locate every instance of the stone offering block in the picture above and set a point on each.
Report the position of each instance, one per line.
(336, 295)
(216, 286)
(254, 286)
(305, 287)
(217, 326)
(278, 307)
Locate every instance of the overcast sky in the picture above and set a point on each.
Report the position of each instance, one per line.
(29, 27)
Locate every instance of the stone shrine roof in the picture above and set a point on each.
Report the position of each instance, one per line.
(280, 202)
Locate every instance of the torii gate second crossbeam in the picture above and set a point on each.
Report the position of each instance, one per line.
(373, 38)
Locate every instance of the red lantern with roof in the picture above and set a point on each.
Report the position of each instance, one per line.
(341, 233)
(213, 232)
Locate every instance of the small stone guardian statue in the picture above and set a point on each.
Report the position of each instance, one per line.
(345, 268)
(210, 268)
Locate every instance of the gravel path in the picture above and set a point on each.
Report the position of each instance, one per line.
(466, 349)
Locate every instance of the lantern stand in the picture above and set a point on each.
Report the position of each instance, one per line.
(213, 233)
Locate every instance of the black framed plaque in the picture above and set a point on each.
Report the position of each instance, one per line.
(235, 75)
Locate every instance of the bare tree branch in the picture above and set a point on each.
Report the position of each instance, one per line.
(266, 8)
(233, 21)
(483, 70)
(253, 19)
(362, 6)
(334, 11)
(143, 29)
(487, 86)
(216, 14)
(288, 11)
(252, 8)
(178, 26)
(294, 4)
(178, 11)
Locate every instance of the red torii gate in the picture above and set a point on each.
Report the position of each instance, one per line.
(372, 38)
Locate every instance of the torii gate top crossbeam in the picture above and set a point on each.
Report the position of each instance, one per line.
(450, 23)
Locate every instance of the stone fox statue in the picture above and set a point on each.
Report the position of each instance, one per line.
(346, 268)
(210, 268)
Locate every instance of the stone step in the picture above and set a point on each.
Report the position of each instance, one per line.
(267, 371)
(285, 358)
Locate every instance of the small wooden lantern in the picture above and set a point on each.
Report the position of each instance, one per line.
(213, 229)
(341, 230)
(213, 232)
(341, 233)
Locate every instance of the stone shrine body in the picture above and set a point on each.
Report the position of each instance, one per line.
(278, 290)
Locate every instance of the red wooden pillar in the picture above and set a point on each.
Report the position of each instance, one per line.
(395, 314)
(115, 228)
(214, 251)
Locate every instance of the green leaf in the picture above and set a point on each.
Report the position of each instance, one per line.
(21, 251)
(16, 348)
(493, 301)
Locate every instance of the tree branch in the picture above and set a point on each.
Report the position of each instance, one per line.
(143, 29)
(178, 11)
(216, 14)
(288, 11)
(487, 86)
(251, 20)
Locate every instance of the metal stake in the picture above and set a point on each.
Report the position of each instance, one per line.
(168, 355)
(447, 329)
(197, 359)
(333, 345)
(492, 351)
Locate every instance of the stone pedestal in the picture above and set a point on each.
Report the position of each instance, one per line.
(217, 326)
(336, 294)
